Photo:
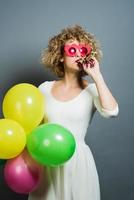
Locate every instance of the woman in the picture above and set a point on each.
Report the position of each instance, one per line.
(71, 101)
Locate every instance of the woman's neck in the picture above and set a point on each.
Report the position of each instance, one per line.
(71, 80)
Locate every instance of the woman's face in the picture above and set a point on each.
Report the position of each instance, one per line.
(74, 51)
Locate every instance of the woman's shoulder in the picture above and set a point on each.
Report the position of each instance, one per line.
(45, 84)
(93, 89)
(88, 84)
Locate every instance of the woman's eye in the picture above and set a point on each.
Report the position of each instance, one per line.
(83, 50)
(72, 50)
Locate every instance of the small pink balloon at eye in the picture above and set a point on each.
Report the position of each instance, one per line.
(83, 51)
(72, 50)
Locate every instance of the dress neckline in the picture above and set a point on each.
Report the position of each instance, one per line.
(68, 101)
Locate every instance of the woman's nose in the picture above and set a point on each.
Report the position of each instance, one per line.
(78, 54)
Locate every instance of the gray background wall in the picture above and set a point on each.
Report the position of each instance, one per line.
(26, 26)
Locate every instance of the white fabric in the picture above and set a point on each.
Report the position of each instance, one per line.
(77, 179)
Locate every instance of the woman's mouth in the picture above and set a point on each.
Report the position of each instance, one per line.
(84, 61)
(79, 63)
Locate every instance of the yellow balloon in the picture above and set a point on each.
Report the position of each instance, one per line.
(25, 104)
(12, 138)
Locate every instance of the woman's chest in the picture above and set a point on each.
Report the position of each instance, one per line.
(78, 108)
(65, 94)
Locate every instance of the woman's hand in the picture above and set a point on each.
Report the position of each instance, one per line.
(93, 71)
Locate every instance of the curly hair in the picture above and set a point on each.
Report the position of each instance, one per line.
(51, 56)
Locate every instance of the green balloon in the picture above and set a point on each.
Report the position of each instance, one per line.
(51, 144)
(2, 162)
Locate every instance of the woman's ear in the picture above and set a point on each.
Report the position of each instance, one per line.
(62, 60)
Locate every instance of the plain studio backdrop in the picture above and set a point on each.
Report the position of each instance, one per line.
(26, 26)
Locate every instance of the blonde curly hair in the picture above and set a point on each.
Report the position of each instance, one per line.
(52, 55)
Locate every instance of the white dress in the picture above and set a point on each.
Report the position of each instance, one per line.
(77, 179)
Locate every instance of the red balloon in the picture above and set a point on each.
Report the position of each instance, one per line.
(22, 174)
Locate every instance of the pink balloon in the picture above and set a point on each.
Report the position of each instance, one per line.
(22, 174)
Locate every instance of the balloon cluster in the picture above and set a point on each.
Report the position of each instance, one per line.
(26, 147)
